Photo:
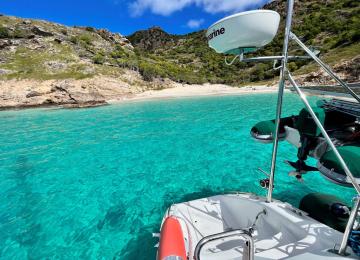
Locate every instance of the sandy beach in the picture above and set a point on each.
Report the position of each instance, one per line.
(103, 90)
(184, 90)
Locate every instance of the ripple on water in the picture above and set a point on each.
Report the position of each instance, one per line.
(94, 183)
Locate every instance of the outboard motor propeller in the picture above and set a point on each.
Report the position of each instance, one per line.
(300, 166)
(297, 175)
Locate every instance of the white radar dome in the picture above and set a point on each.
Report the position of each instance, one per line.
(246, 30)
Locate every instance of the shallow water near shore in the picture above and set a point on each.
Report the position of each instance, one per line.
(94, 183)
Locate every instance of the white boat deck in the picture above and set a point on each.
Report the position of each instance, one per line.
(283, 232)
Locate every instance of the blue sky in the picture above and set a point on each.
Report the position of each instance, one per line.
(127, 16)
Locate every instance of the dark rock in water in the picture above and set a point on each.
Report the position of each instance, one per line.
(136, 226)
(140, 248)
(113, 218)
(30, 236)
(100, 224)
(41, 32)
(114, 215)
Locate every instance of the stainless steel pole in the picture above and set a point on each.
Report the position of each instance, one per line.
(324, 66)
(349, 227)
(290, 7)
(324, 133)
(355, 209)
(272, 58)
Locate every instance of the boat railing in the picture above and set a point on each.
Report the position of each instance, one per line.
(324, 66)
(285, 74)
(324, 133)
(343, 106)
(249, 242)
(349, 226)
(353, 85)
(355, 209)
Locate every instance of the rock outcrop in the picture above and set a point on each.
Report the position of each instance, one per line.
(93, 91)
(43, 45)
(152, 38)
(70, 92)
(347, 70)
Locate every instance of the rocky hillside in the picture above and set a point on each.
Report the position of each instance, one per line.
(48, 63)
(43, 50)
(152, 39)
(43, 63)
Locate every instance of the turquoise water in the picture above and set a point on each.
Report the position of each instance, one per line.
(94, 183)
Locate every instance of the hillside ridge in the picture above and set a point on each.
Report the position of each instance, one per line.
(36, 51)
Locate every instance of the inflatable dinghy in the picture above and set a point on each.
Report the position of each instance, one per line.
(326, 209)
(330, 166)
(172, 240)
(264, 131)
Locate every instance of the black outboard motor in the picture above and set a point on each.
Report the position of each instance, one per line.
(309, 132)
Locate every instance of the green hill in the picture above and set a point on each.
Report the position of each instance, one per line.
(332, 26)
(43, 50)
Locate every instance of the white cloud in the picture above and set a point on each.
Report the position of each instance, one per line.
(218, 6)
(167, 7)
(162, 7)
(194, 24)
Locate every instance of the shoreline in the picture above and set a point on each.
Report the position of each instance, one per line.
(177, 91)
(204, 90)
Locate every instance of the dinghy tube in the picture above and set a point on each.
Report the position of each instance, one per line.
(326, 209)
(172, 241)
(330, 167)
(264, 131)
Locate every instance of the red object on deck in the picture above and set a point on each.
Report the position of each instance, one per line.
(171, 239)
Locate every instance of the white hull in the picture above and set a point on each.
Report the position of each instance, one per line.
(283, 232)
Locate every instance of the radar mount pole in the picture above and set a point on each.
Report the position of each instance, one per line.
(290, 7)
